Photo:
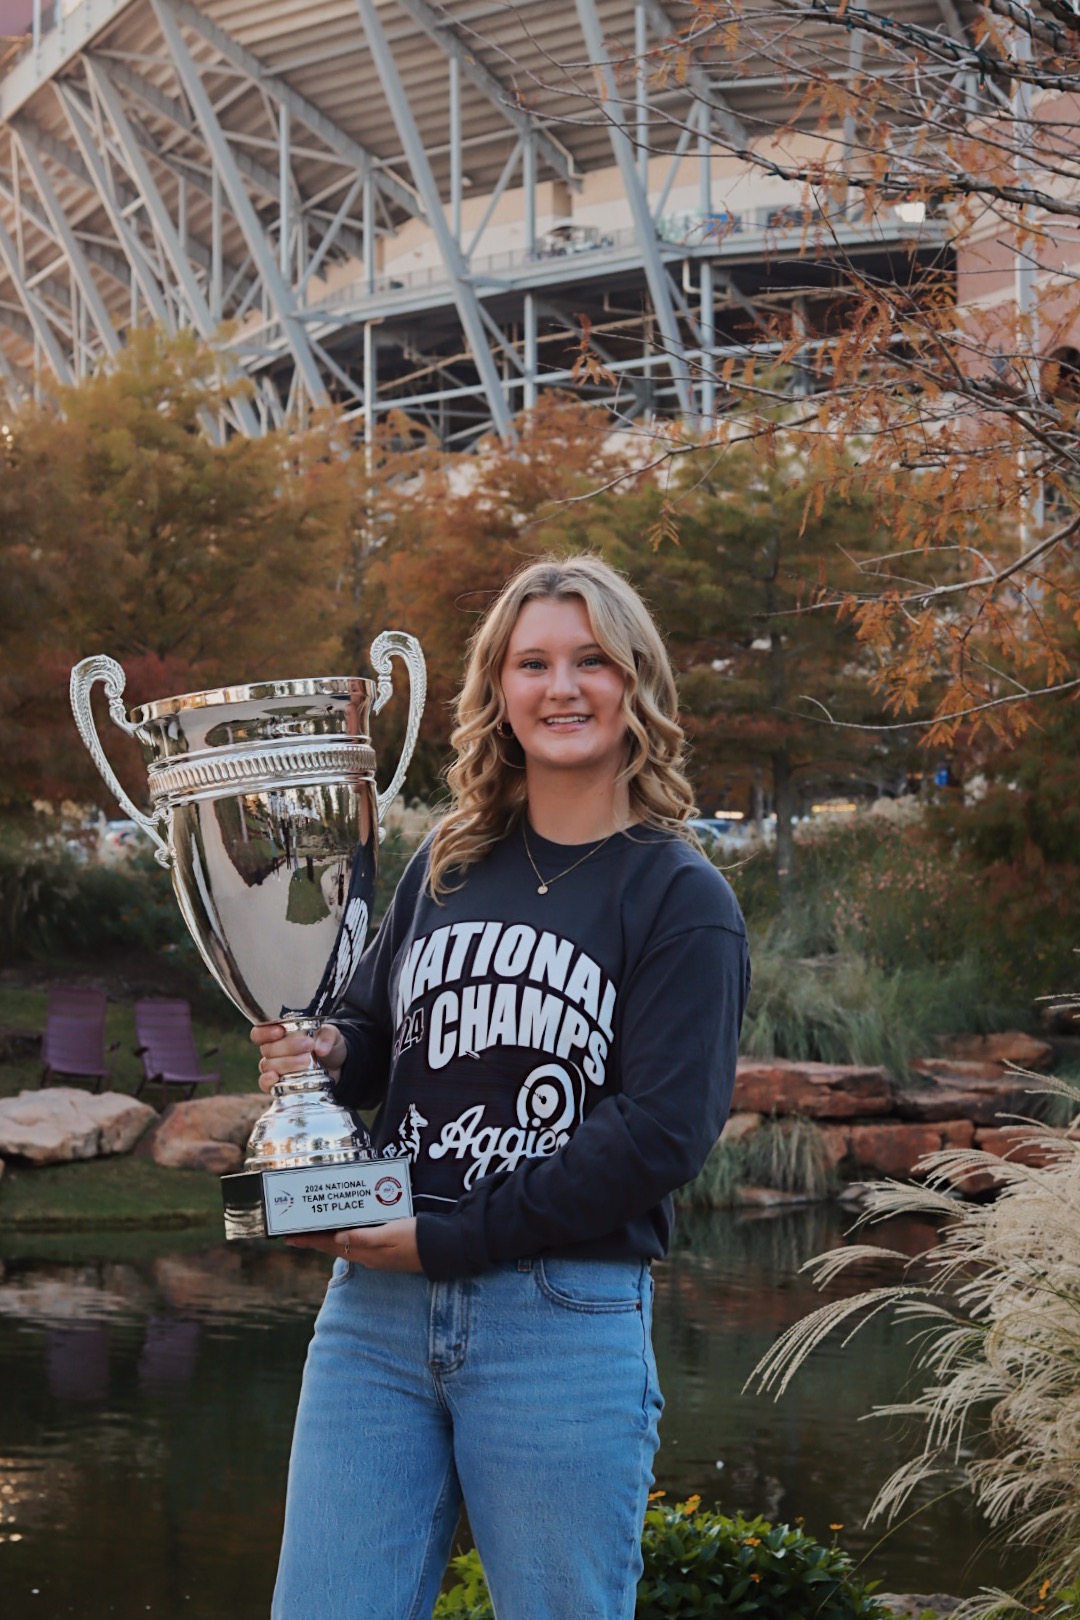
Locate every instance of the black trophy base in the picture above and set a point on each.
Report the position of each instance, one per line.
(316, 1198)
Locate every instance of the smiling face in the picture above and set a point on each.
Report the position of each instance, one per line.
(563, 693)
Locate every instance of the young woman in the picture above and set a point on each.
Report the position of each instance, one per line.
(548, 1022)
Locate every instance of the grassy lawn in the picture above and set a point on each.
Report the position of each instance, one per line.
(117, 1192)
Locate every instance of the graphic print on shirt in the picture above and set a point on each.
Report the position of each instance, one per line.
(407, 1145)
(501, 1031)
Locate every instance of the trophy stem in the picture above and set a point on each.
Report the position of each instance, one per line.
(312, 1078)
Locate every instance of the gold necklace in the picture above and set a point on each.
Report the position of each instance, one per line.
(545, 883)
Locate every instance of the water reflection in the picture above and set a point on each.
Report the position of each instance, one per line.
(731, 1285)
(149, 1391)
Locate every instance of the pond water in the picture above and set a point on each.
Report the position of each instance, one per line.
(148, 1387)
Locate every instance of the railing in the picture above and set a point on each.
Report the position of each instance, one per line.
(691, 228)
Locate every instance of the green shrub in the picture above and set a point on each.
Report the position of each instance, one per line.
(55, 906)
(702, 1565)
(714, 1185)
(845, 1008)
(788, 1154)
(52, 906)
(707, 1566)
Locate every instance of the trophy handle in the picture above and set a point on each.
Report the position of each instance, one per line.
(83, 678)
(396, 644)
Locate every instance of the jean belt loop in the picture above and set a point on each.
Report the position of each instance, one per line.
(524, 1265)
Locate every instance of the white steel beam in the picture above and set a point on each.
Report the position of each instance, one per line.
(27, 208)
(664, 27)
(285, 192)
(58, 47)
(16, 382)
(161, 220)
(490, 85)
(644, 226)
(77, 263)
(305, 112)
(641, 89)
(243, 210)
(174, 112)
(43, 332)
(65, 158)
(464, 292)
(127, 195)
(125, 233)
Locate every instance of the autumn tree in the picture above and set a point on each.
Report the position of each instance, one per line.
(454, 534)
(946, 397)
(737, 593)
(761, 664)
(127, 528)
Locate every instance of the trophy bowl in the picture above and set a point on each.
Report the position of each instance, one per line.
(266, 812)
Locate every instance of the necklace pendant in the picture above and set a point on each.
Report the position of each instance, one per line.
(543, 889)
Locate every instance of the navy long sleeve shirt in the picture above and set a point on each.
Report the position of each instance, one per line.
(553, 1065)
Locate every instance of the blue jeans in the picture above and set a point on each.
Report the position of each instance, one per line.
(529, 1391)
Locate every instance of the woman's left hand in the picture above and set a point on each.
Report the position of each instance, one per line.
(381, 1248)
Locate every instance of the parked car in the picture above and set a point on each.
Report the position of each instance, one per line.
(119, 839)
(715, 832)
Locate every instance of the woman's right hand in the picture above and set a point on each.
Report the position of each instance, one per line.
(283, 1054)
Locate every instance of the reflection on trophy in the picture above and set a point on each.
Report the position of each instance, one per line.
(269, 820)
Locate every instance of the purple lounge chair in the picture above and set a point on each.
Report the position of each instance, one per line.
(167, 1048)
(73, 1048)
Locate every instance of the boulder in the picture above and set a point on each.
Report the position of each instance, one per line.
(894, 1148)
(64, 1123)
(836, 1141)
(740, 1126)
(1016, 1142)
(817, 1090)
(216, 1158)
(982, 1101)
(1009, 1046)
(910, 1608)
(1006, 1142)
(769, 1198)
(207, 1134)
(960, 1071)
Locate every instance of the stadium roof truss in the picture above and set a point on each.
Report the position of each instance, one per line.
(389, 204)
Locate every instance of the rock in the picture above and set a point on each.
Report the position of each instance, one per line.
(1013, 1142)
(911, 1607)
(894, 1148)
(768, 1198)
(18, 1043)
(817, 1090)
(1010, 1046)
(960, 1071)
(836, 1141)
(1016, 1142)
(740, 1126)
(983, 1101)
(207, 1134)
(216, 1158)
(63, 1123)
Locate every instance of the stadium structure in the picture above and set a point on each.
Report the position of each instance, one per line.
(396, 204)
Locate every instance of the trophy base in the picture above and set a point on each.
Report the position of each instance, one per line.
(316, 1198)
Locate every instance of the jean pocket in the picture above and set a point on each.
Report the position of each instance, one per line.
(591, 1285)
(341, 1273)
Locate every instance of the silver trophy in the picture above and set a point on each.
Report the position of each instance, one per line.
(266, 813)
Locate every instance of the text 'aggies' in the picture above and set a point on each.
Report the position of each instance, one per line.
(473, 985)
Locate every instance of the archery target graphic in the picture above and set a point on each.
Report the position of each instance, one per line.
(549, 1098)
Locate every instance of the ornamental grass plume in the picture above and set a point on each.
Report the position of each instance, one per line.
(997, 1368)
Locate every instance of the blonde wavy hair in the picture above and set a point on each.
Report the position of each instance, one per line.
(487, 780)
